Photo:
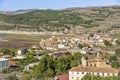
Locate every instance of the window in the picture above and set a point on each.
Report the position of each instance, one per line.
(97, 73)
(102, 74)
(82, 72)
(94, 65)
(113, 74)
(89, 73)
(91, 65)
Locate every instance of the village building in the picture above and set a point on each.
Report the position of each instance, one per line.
(96, 40)
(4, 63)
(62, 77)
(21, 51)
(60, 52)
(96, 66)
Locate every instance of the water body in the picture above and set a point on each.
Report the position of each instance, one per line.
(3, 35)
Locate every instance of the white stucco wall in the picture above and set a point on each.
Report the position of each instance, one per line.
(4, 63)
(79, 75)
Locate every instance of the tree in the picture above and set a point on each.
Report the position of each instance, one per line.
(77, 56)
(117, 42)
(50, 66)
(86, 77)
(117, 52)
(7, 70)
(27, 77)
(80, 46)
(107, 43)
(114, 61)
(12, 77)
(91, 34)
(115, 64)
(74, 63)
(49, 72)
(113, 58)
(8, 51)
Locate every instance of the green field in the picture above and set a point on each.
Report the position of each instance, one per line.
(24, 37)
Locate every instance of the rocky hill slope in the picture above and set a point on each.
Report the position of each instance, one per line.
(71, 20)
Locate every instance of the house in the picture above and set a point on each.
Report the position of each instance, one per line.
(12, 63)
(7, 56)
(95, 66)
(33, 64)
(60, 52)
(61, 46)
(1, 55)
(96, 40)
(72, 51)
(4, 63)
(21, 51)
(19, 56)
(62, 77)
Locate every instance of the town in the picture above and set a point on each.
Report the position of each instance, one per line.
(63, 58)
(59, 39)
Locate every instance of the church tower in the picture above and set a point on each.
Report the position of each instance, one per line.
(84, 62)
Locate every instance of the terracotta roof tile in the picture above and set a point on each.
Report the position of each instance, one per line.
(95, 69)
(97, 59)
(63, 77)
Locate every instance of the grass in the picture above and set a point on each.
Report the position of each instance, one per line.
(24, 37)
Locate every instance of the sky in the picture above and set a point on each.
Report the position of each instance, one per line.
(12, 5)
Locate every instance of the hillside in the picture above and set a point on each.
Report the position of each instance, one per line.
(71, 20)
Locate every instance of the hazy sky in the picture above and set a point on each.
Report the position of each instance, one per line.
(11, 5)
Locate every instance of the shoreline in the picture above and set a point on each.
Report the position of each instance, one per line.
(30, 33)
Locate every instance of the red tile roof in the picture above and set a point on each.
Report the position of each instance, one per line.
(63, 77)
(94, 69)
(12, 62)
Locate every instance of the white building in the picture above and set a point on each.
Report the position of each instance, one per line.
(21, 51)
(19, 57)
(61, 46)
(96, 66)
(4, 63)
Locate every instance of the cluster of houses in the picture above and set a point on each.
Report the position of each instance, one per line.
(61, 46)
(96, 66)
(71, 44)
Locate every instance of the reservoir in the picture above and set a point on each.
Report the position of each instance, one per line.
(3, 35)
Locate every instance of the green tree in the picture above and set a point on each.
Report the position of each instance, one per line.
(12, 77)
(74, 63)
(7, 70)
(7, 51)
(80, 46)
(86, 77)
(107, 43)
(117, 42)
(117, 52)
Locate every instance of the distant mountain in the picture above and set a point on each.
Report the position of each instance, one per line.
(17, 12)
(70, 20)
